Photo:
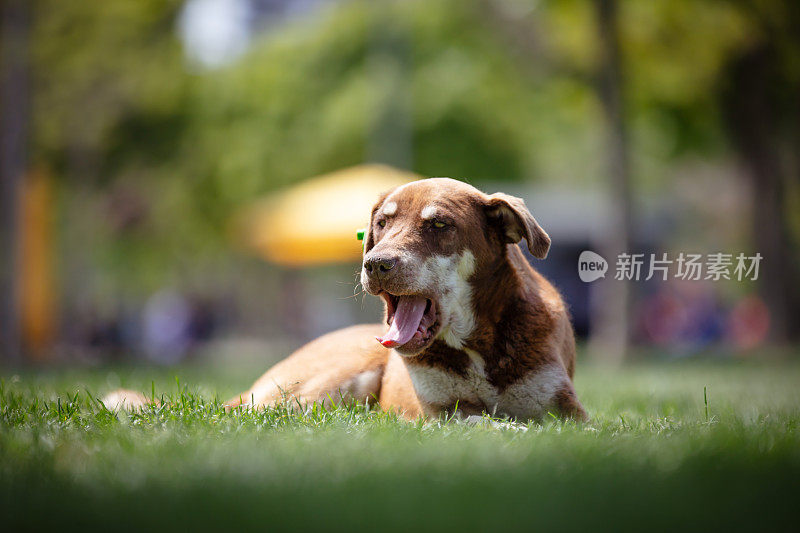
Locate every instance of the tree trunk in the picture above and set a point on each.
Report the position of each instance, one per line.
(14, 121)
(611, 299)
(753, 127)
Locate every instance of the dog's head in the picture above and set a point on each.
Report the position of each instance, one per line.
(425, 243)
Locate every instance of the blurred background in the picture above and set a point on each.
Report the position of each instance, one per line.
(153, 153)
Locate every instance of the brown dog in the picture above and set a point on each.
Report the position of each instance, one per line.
(472, 327)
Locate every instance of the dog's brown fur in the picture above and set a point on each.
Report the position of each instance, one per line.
(502, 342)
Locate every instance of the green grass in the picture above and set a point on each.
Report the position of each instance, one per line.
(654, 457)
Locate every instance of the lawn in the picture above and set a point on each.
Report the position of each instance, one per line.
(656, 456)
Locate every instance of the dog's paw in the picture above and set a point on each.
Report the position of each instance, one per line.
(125, 399)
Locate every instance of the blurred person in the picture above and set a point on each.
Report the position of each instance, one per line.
(203, 320)
(683, 317)
(166, 326)
(748, 323)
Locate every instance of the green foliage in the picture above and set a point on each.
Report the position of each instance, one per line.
(493, 90)
(95, 66)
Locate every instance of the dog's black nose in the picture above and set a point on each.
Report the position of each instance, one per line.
(379, 266)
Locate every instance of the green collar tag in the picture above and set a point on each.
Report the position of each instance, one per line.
(360, 237)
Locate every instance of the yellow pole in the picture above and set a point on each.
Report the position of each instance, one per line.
(37, 290)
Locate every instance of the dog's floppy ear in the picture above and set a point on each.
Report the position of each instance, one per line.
(516, 222)
(369, 240)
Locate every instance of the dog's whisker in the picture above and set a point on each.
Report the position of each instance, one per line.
(352, 296)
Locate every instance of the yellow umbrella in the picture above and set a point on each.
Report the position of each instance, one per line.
(315, 222)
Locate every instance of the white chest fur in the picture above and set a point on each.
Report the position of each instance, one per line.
(529, 397)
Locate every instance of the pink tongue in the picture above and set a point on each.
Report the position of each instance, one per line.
(406, 321)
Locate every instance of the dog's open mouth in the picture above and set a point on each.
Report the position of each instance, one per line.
(413, 322)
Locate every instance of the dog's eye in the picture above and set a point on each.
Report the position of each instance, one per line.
(438, 224)
(382, 223)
